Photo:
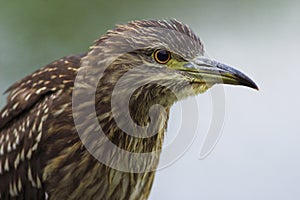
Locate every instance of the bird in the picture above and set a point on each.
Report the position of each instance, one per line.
(81, 126)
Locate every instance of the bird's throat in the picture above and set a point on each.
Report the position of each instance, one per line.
(138, 121)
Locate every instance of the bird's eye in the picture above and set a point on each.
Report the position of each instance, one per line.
(162, 56)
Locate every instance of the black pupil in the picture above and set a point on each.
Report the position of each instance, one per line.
(162, 55)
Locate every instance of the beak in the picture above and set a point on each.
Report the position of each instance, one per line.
(203, 69)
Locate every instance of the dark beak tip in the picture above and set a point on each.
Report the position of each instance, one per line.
(256, 88)
(251, 84)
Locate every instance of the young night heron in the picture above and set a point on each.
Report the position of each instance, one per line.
(50, 145)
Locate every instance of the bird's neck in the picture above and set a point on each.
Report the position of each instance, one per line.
(138, 118)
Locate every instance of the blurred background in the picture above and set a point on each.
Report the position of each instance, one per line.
(258, 155)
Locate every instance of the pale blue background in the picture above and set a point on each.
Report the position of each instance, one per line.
(258, 155)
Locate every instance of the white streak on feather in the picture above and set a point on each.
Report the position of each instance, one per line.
(34, 126)
(8, 147)
(40, 126)
(15, 93)
(29, 154)
(19, 184)
(1, 150)
(53, 77)
(15, 106)
(29, 174)
(15, 190)
(14, 146)
(23, 126)
(38, 182)
(17, 161)
(11, 192)
(5, 112)
(28, 122)
(38, 137)
(23, 154)
(6, 165)
(40, 90)
(30, 134)
(27, 96)
(73, 69)
(61, 110)
(7, 137)
(34, 147)
(46, 196)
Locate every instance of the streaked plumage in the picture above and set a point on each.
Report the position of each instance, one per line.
(41, 154)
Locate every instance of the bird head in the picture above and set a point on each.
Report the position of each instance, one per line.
(164, 52)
